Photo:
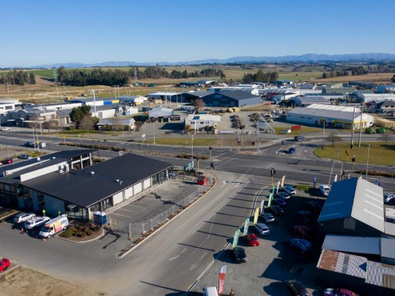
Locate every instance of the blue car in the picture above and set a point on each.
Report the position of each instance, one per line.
(292, 150)
(301, 244)
(279, 201)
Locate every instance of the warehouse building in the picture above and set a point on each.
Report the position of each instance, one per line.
(330, 115)
(224, 98)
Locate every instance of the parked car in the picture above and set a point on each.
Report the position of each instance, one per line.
(4, 264)
(262, 229)
(7, 161)
(279, 201)
(304, 231)
(339, 292)
(292, 150)
(290, 189)
(296, 288)
(251, 239)
(303, 245)
(325, 189)
(299, 138)
(314, 206)
(389, 198)
(276, 210)
(240, 255)
(24, 156)
(266, 217)
(283, 194)
(23, 217)
(36, 222)
(306, 217)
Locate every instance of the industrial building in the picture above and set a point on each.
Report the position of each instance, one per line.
(330, 115)
(224, 98)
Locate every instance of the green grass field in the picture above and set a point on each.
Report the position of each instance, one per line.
(379, 153)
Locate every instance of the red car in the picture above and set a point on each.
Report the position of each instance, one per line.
(7, 161)
(251, 239)
(4, 264)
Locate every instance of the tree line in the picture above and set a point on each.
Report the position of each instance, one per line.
(18, 78)
(260, 76)
(350, 70)
(77, 77)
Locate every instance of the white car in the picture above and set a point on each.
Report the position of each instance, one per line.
(23, 217)
(325, 189)
(262, 229)
(36, 222)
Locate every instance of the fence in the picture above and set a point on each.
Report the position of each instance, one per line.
(171, 209)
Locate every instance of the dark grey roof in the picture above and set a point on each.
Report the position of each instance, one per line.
(22, 167)
(237, 94)
(85, 188)
(356, 198)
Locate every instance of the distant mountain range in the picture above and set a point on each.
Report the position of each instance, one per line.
(306, 58)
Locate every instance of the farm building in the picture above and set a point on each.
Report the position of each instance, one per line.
(201, 121)
(332, 116)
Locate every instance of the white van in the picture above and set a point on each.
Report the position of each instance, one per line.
(54, 226)
(210, 291)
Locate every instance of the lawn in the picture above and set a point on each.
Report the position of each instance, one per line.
(379, 153)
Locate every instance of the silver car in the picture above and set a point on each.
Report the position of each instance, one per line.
(23, 217)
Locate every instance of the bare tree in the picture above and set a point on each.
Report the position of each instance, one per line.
(198, 104)
(334, 138)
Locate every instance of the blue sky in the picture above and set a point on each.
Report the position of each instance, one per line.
(92, 31)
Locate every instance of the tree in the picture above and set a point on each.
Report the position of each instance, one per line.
(32, 78)
(78, 113)
(86, 123)
(198, 104)
(334, 138)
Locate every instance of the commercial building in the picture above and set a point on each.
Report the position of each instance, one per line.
(202, 121)
(67, 182)
(224, 98)
(331, 116)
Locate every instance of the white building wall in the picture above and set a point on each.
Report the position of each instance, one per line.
(137, 188)
(128, 192)
(117, 198)
(147, 183)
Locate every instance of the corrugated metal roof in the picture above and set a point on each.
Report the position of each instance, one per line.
(352, 244)
(374, 273)
(340, 201)
(356, 198)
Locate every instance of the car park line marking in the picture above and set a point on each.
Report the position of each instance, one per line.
(174, 258)
(193, 266)
(118, 214)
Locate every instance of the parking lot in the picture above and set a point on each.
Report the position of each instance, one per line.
(270, 263)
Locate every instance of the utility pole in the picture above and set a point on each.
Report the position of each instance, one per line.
(360, 128)
(352, 129)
